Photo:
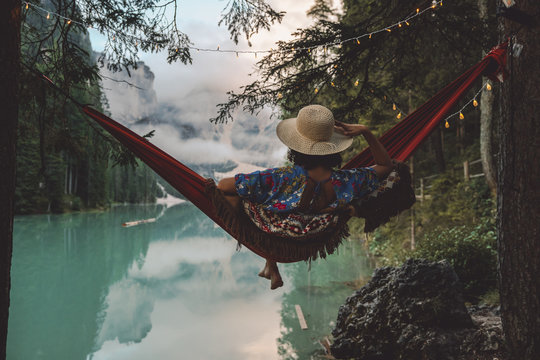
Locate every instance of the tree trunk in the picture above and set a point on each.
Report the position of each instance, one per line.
(486, 139)
(10, 24)
(518, 203)
(437, 145)
(486, 121)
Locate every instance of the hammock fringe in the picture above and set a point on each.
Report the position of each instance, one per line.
(309, 247)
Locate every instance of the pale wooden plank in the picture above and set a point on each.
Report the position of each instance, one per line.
(301, 319)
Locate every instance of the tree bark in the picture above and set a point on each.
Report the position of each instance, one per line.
(518, 203)
(486, 121)
(486, 139)
(10, 24)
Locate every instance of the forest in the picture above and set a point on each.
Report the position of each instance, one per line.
(62, 162)
(371, 62)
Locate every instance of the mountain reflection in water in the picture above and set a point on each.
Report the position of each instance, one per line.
(83, 287)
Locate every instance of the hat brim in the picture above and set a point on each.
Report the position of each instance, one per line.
(289, 135)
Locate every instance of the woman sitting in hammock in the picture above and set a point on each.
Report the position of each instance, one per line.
(311, 185)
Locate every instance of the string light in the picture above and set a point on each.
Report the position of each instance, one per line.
(486, 85)
(316, 90)
(356, 83)
(398, 116)
(394, 106)
(309, 48)
(280, 95)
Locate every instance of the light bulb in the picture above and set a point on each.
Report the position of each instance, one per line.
(358, 41)
(447, 125)
(475, 103)
(417, 10)
(488, 87)
(388, 30)
(398, 116)
(434, 4)
(316, 90)
(69, 22)
(394, 107)
(356, 83)
(48, 16)
(26, 6)
(461, 116)
(279, 95)
(332, 83)
(406, 22)
(370, 36)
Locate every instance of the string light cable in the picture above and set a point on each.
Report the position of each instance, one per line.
(404, 22)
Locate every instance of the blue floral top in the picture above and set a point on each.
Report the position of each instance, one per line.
(280, 189)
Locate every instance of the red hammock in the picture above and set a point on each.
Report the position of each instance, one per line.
(400, 141)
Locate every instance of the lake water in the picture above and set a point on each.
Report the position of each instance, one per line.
(84, 287)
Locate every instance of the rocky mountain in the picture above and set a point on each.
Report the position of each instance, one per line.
(183, 130)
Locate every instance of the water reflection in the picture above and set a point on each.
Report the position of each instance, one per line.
(319, 292)
(83, 287)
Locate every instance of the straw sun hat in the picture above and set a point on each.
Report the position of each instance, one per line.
(312, 132)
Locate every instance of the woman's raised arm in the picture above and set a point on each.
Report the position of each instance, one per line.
(380, 155)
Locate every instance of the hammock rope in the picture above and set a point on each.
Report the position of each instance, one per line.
(400, 141)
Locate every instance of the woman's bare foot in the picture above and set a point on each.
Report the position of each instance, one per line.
(276, 282)
(275, 276)
(265, 272)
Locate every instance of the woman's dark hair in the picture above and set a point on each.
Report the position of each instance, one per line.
(312, 161)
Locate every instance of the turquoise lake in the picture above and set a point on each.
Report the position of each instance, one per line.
(84, 287)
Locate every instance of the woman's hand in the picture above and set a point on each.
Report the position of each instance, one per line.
(350, 129)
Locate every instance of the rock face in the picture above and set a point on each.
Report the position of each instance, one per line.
(413, 312)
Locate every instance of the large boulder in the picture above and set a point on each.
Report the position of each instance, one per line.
(412, 312)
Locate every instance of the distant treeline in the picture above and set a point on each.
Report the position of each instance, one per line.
(63, 163)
